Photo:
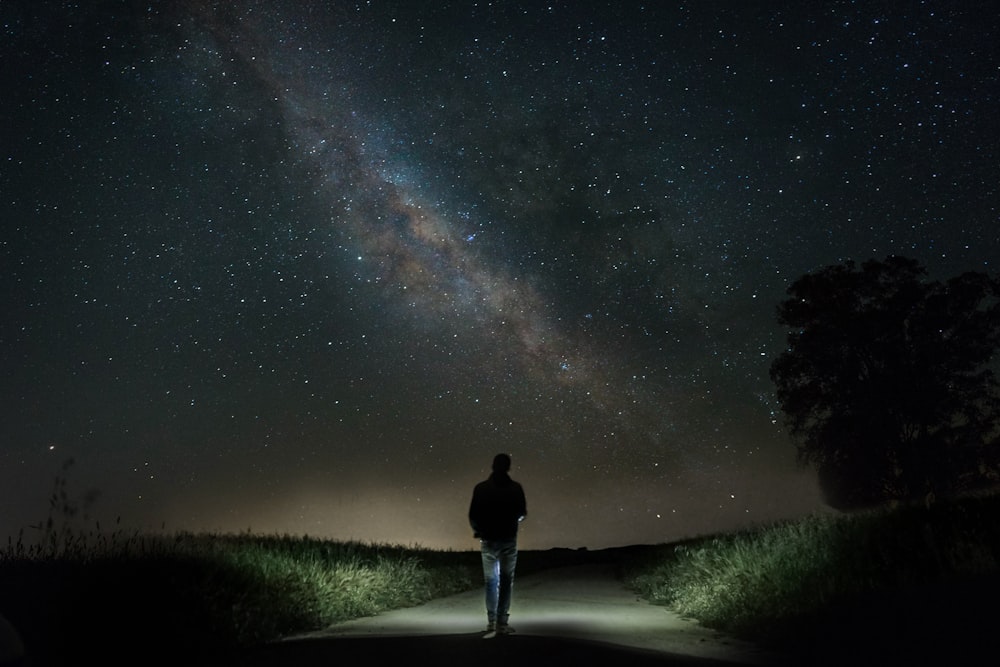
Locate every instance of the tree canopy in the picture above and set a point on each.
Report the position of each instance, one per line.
(886, 382)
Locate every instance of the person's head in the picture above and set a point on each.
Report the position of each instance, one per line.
(501, 463)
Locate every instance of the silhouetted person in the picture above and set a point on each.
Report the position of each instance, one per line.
(497, 508)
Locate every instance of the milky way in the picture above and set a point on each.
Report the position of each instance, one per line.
(304, 269)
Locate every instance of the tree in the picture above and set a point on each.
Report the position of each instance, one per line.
(886, 383)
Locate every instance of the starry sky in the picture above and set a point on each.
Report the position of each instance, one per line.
(304, 268)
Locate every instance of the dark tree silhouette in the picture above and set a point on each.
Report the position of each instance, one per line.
(886, 382)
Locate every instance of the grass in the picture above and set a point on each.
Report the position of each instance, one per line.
(208, 592)
(793, 582)
(74, 594)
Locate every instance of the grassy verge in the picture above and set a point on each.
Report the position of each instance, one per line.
(824, 577)
(191, 594)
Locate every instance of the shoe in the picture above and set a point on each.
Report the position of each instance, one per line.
(504, 629)
(491, 630)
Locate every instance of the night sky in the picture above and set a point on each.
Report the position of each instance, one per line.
(305, 267)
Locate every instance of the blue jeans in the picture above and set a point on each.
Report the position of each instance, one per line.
(499, 561)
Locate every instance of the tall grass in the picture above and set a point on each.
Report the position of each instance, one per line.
(86, 592)
(761, 583)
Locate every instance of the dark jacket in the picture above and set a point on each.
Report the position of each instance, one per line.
(497, 507)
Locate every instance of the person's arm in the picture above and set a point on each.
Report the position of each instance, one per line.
(474, 513)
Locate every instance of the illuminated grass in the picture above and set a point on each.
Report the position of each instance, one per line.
(761, 583)
(209, 592)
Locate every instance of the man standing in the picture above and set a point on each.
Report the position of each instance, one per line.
(497, 507)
